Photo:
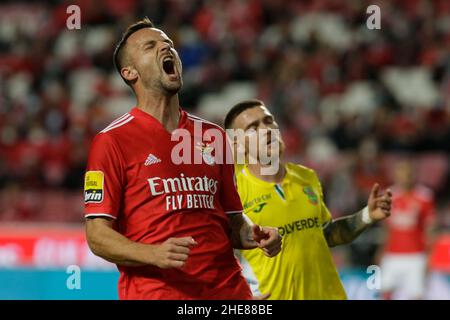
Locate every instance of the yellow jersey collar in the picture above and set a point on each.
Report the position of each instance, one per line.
(252, 178)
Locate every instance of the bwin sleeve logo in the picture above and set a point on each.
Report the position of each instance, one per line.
(93, 187)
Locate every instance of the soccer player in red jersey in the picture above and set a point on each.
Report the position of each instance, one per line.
(404, 261)
(170, 227)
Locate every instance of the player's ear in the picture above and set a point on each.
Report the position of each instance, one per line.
(129, 73)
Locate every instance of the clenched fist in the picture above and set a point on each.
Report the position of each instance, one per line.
(172, 253)
(268, 239)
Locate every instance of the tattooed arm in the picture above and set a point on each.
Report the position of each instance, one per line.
(346, 229)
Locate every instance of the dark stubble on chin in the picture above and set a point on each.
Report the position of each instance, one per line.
(172, 88)
(158, 85)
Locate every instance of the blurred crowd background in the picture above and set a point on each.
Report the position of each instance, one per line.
(350, 101)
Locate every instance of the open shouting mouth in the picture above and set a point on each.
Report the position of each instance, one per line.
(168, 66)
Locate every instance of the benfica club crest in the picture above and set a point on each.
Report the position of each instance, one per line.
(206, 149)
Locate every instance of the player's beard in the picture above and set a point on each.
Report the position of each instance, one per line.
(160, 84)
(170, 87)
(273, 151)
(158, 80)
(275, 147)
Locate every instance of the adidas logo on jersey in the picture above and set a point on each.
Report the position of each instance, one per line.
(151, 159)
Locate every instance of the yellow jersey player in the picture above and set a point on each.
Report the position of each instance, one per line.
(289, 197)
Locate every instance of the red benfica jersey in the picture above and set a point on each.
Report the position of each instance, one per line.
(411, 211)
(132, 177)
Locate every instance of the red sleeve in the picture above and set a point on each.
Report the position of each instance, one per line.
(231, 203)
(103, 181)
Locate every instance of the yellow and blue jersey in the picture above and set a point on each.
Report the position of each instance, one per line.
(304, 269)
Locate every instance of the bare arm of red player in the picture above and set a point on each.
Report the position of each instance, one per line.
(246, 235)
(107, 243)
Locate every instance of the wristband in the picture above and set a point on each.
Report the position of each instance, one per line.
(366, 216)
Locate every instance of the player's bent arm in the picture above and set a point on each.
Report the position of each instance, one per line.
(344, 230)
(107, 243)
(241, 231)
(247, 235)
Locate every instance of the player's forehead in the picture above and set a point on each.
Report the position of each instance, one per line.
(250, 115)
(144, 35)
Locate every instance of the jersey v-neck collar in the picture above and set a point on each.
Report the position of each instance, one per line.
(279, 187)
(261, 182)
(138, 113)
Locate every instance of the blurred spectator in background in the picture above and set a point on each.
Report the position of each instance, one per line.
(409, 236)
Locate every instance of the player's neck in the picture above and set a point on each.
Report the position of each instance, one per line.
(165, 109)
(268, 173)
(406, 187)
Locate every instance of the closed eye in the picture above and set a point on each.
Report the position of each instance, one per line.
(268, 119)
(170, 42)
(252, 126)
(149, 45)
